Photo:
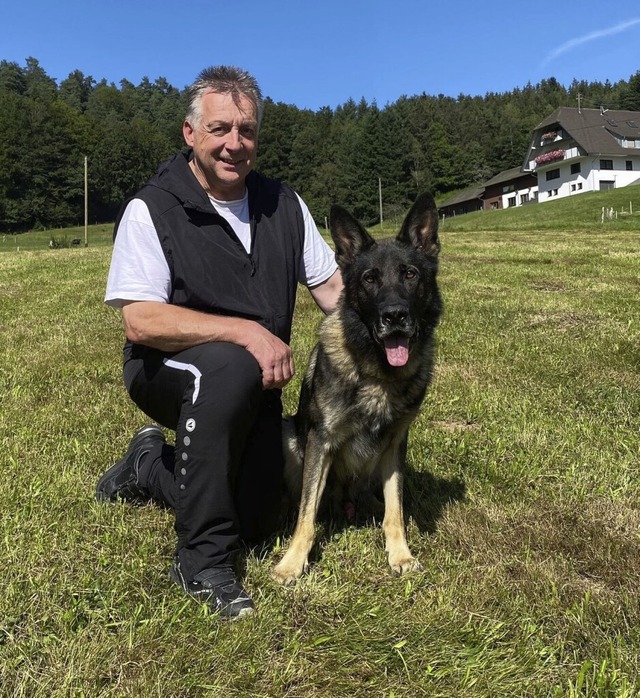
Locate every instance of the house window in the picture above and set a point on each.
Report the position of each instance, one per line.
(606, 184)
(524, 198)
(629, 165)
(511, 201)
(606, 164)
(575, 168)
(553, 174)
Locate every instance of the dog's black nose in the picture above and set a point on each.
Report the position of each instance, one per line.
(394, 314)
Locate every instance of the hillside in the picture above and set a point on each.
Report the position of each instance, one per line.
(349, 154)
(582, 212)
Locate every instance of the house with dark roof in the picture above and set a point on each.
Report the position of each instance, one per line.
(577, 150)
(506, 189)
(465, 201)
(510, 188)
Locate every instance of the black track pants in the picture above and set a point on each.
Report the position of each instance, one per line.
(223, 478)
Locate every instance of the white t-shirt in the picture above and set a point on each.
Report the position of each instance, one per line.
(139, 269)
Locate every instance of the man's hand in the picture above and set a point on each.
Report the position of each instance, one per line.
(274, 357)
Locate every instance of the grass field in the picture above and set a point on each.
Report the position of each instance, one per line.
(522, 498)
(578, 212)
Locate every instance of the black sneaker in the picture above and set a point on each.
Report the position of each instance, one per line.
(121, 480)
(217, 586)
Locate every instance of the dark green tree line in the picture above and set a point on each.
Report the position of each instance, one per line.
(339, 155)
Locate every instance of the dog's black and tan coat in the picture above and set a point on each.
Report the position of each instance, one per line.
(367, 376)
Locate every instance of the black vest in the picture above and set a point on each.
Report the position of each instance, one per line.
(210, 269)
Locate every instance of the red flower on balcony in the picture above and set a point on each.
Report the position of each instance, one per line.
(551, 156)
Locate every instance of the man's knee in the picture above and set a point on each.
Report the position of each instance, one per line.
(230, 381)
(232, 364)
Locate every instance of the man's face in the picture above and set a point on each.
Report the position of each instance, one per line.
(224, 144)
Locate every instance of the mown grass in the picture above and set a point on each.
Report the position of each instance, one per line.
(575, 213)
(100, 235)
(522, 496)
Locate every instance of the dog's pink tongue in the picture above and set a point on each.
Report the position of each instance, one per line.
(397, 350)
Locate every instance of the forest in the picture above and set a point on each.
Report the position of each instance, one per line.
(332, 155)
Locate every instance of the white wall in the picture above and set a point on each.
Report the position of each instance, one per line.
(531, 191)
(589, 177)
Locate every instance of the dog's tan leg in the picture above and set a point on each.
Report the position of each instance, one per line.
(317, 460)
(400, 558)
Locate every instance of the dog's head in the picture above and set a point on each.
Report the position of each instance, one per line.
(391, 285)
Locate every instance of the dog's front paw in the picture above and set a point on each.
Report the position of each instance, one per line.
(404, 564)
(287, 571)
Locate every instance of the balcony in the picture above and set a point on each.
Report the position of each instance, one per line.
(549, 157)
(549, 137)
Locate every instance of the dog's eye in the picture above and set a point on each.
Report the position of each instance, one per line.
(410, 274)
(368, 277)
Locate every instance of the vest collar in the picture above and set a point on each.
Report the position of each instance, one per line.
(176, 176)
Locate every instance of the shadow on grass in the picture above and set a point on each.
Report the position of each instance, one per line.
(426, 497)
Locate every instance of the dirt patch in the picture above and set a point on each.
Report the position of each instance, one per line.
(549, 286)
(452, 425)
(560, 321)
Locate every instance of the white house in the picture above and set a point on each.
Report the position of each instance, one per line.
(577, 150)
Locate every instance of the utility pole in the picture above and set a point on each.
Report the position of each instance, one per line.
(380, 197)
(86, 205)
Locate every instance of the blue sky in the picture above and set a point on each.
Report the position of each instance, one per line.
(315, 54)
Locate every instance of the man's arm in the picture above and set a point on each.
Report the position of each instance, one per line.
(172, 328)
(327, 293)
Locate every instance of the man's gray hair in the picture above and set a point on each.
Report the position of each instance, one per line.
(225, 80)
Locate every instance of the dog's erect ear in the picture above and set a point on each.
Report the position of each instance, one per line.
(420, 227)
(349, 236)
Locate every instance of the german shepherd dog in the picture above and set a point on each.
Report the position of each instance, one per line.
(367, 377)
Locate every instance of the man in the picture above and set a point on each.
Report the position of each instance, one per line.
(207, 258)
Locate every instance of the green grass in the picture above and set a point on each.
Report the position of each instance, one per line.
(522, 494)
(97, 236)
(578, 212)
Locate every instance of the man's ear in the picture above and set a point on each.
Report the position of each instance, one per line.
(187, 133)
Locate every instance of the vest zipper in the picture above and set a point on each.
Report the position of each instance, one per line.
(252, 228)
